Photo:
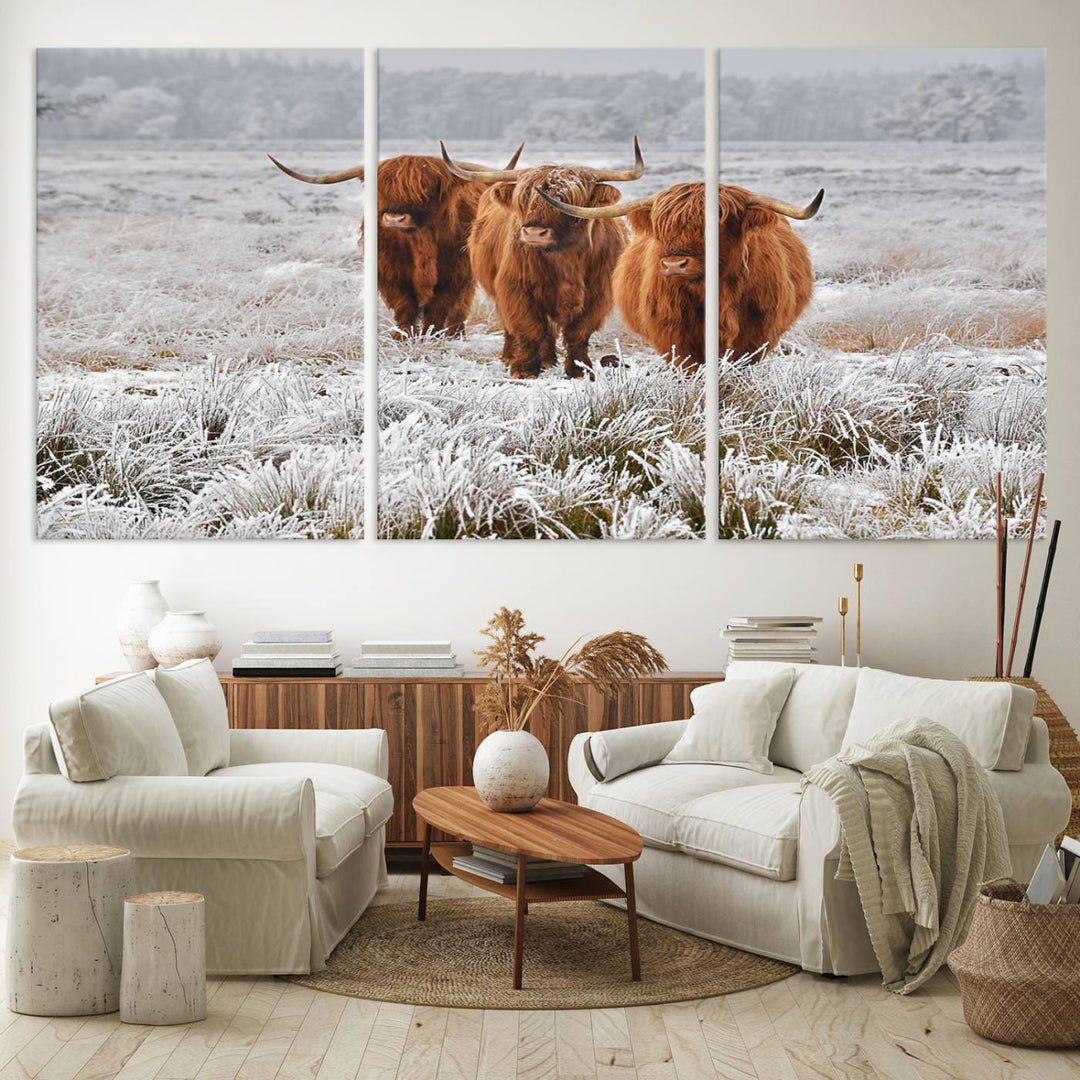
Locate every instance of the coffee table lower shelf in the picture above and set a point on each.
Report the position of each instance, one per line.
(591, 886)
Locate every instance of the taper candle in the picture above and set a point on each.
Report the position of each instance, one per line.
(858, 614)
(842, 607)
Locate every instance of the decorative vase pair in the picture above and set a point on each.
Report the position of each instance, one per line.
(510, 771)
(150, 634)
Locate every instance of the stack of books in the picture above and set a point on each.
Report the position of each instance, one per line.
(1057, 877)
(501, 866)
(405, 660)
(787, 639)
(307, 653)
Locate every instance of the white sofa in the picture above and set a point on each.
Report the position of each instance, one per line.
(744, 858)
(284, 834)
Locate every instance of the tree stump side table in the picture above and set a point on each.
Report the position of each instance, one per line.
(65, 929)
(164, 980)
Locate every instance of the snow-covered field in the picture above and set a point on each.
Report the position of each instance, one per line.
(919, 368)
(201, 370)
(200, 343)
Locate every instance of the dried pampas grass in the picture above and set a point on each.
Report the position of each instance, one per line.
(526, 684)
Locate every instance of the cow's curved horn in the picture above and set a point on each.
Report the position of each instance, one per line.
(355, 173)
(636, 172)
(800, 213)
(478, 173)
(619, 209)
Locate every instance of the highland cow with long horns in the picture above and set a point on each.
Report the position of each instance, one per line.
(765, 274)
(425, 213)
(548, 275)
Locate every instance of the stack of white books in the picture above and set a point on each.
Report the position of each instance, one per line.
(1057, 877)
(501, 866)
(787, 639)
(405, 660)
(288, 653)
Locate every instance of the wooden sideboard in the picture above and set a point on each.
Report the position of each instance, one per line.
(431, 726)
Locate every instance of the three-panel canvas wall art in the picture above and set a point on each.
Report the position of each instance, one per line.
(544, 351)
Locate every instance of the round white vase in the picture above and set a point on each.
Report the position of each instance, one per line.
(510, 771)
(143, 607)
(184, 635)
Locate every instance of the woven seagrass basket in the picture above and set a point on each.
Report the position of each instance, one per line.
(1019, 969)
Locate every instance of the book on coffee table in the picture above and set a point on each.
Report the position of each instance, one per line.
(507, 875)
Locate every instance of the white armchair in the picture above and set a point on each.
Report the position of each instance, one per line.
(286, 842)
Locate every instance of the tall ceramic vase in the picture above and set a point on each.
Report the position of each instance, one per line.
(510, 771)
(184, 635)
(143, 607)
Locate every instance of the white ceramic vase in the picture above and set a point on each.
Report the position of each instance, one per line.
(142, 609)
(184, 635)
(510, 771)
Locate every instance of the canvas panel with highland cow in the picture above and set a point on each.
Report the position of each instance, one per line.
(200, 317)
(883, 352)
(541, 260)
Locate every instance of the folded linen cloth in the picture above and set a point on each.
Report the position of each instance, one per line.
(920, 830)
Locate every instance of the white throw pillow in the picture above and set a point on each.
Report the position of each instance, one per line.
(815, 716)
(992, 719)
(121, 728)
(733, 722)
(193, 693)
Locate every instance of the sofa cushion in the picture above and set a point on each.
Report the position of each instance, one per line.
(992, 719)
(654, 800)
(811, 725)
(340, 828)
(193, 693)
(733, 722)
(751, 828)
(120, 728)
(366, 792)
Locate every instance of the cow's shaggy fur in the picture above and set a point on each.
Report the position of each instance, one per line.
(542, 293)
(669, 312)
(765, 275)
(424, 273)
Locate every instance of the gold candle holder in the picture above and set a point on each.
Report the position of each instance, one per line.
(858, 613)
(842, 608)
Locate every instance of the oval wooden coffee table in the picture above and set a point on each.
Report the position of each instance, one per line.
(553, 830)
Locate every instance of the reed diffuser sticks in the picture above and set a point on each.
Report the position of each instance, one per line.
(1037, 625)
(1024, 573)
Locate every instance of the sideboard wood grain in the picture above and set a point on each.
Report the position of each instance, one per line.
(431, 726)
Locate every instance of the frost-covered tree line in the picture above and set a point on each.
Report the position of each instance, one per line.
(196, 94)
(255, 94)
(969, 101)
(962, 103)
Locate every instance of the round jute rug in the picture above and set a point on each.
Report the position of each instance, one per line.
(576, 957)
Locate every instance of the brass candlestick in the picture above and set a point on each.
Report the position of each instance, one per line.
(842, 607)
(858, 614)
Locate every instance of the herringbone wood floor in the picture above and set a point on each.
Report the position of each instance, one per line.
(260, 1029)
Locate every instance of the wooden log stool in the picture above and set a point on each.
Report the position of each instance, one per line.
(164, 980)
(65, 928)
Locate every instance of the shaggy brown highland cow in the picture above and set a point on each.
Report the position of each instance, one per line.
(546, 274)
(765, 272)
(425, 213)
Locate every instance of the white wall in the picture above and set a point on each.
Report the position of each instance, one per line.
(929, 606)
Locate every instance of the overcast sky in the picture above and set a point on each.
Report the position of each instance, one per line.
(765, 63)
(556, 61)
